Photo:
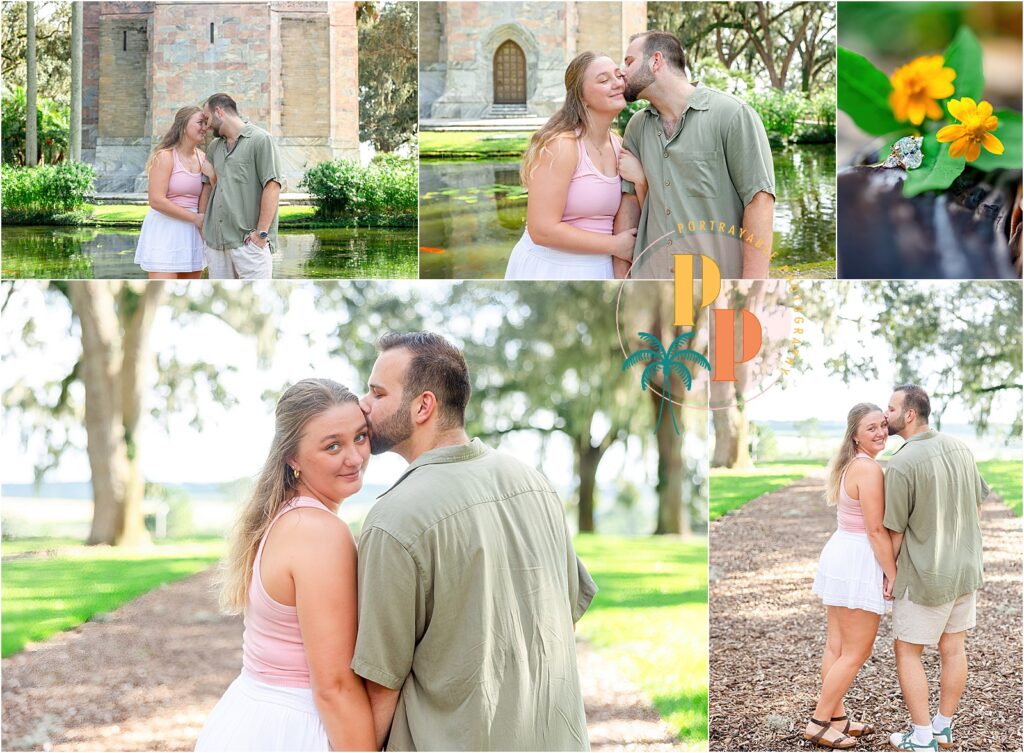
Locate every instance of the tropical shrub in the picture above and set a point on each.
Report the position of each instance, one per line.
(52, 123)
(38, 194)
(779, 110)
(386, 188)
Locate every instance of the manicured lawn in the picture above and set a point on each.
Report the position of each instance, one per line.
(1004, 477)
(473, 144)
(64, 587)
(731, 489)
(650, 617)
(132, 214)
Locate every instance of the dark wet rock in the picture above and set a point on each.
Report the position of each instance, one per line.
(969, 231)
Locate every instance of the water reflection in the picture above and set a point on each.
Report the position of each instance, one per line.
(472, 214)
(325, 253)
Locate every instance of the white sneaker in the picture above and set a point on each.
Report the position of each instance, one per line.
(944, 738)
(905, 741)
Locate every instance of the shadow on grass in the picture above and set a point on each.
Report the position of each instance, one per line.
(689, 712)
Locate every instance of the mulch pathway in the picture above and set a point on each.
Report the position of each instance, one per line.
(146, 676)
(768, 633)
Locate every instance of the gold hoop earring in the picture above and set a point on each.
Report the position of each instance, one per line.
(296, 473)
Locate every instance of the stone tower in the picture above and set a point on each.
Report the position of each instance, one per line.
(484, 59)
(291, 66)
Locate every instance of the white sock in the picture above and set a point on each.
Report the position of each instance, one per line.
(940, 722)
(922, 734)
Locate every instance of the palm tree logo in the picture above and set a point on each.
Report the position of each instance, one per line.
(667, 361)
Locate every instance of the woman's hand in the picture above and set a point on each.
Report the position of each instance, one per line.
(622, 244)
(208, 171)
(630, 168)
(198, 221)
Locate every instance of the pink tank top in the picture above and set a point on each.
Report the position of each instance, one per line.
(848, 513)
(272, 648)
(184, 187)
(593, 197)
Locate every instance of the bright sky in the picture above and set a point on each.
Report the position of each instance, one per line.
(816, 393)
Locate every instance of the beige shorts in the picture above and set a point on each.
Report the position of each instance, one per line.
(247, 262)
(914, 623)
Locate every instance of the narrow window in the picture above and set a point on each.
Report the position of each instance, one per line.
(124, 41)
(211, 32)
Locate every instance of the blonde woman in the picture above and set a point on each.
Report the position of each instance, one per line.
(852, 570)
(292, 571)
(171, 243)
(571, 171)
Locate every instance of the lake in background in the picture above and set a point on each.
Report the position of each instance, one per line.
(821, 440)
(49, 252)
(473, 213)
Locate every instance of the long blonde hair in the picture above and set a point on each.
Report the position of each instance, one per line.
(572, 116)
(847, 450)
(276, 484)
(174, 134)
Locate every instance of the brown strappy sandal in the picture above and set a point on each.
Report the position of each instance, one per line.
(843, 742)
(866, 729)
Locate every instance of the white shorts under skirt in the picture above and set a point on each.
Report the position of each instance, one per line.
(254, 716)
(531, 261)
(849, 575)
(169, 245)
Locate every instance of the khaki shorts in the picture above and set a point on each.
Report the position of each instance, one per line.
(247, 262)
(914, 623)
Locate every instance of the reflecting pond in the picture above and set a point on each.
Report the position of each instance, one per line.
(473, 213)
(109, 253)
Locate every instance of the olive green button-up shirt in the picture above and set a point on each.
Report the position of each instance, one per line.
(932, 494)
(469, 588)
(699, 179)
(234, 206)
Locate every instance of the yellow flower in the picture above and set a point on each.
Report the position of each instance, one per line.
(973, 132)
(916, 87)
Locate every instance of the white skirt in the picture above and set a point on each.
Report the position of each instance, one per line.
(849, 575)
(169, 245)
(255, 716)
(531, 261)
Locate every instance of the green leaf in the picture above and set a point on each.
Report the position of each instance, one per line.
(864, 94)
(964, 56)
(937, 171)
(1009, 132)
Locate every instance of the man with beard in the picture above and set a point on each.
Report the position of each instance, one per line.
(469, 587)
(240, 228)
(708, 182)
(933, 493)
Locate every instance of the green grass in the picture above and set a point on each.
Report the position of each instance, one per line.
(56, 591)
(1004, 477)
(731, 489)
(650, 618)
(473, 144)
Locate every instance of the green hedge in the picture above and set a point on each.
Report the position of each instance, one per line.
(33, 194)
(387, 187)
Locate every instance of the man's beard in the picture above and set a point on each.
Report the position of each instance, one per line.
(215, 129)
(896, 429)
(391, 431)
(635, 85)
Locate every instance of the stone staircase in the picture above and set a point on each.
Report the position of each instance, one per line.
(507, 111)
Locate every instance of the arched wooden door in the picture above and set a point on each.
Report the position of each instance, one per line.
(509, 74)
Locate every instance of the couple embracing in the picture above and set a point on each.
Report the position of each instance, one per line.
(450, 627)
(908, 540)
(694, 160)
(216, 209)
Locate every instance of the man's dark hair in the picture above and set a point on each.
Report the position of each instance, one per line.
(916, 399)
(437, 366)
(666, 44)
(223, 101)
